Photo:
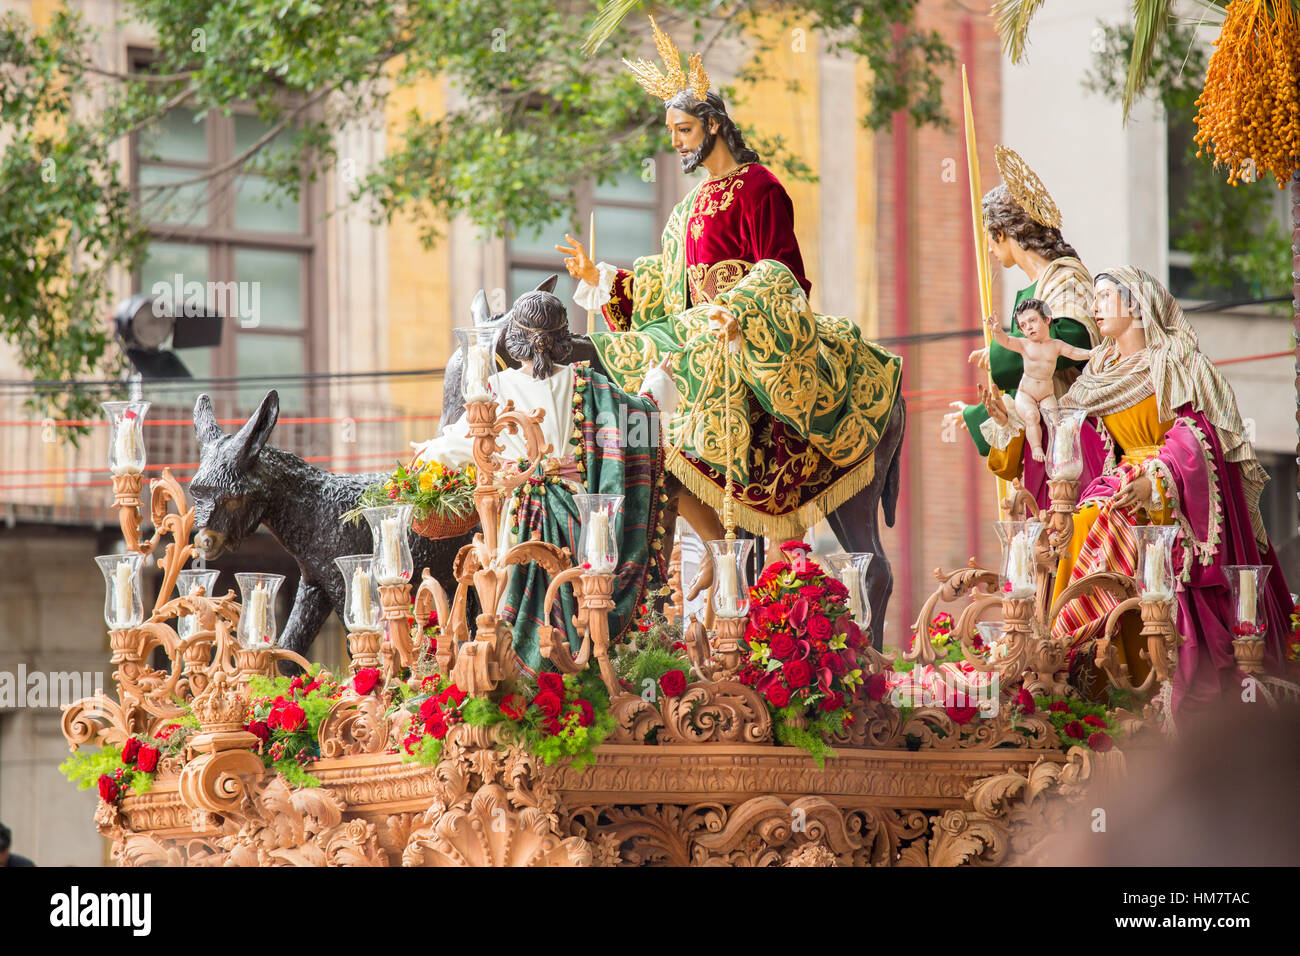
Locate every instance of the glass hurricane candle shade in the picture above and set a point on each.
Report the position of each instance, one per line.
(851, 570)
(257, 626)
(1155, 561)
(730, 594)
(123, 590)
(990, 633)
(477, 364)
(361, 609)
(1065, 446)
(126, 454)
(598, 541)
(390, 530)
(1018, 542)
(1246, 582)
(186, 582)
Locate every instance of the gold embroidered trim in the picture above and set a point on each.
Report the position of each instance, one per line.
(716, 198)
(707, 282)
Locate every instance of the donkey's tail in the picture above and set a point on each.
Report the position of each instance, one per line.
(889, 500)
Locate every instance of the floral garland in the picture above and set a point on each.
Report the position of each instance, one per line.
(560, 717)
(801, 650)
(134, 765)
(286, 715)
(1078, 724)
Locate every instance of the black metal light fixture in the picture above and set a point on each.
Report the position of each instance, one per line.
(143, 326)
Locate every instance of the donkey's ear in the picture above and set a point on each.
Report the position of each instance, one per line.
(479, 310)
(547, 284)
(205, 422)
(252, 437)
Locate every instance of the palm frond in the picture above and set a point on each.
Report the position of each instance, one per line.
(1150, 26)
(607, 20)
(1012, 21)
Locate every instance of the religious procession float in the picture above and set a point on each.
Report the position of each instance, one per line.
(524, 685)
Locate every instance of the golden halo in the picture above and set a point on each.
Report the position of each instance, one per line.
(1026, 188)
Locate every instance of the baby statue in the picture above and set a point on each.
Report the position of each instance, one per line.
(1040, 352)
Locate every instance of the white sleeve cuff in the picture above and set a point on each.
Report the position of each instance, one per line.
(1000, 436)
(592, 297)
(660, 386)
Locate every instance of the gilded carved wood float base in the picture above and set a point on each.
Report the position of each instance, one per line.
(676, 805)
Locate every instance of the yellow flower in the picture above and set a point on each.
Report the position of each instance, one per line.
(471, 473)
(435, 469)
(426, 481)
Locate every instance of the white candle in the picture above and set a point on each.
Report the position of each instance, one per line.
(361, 598)
(1154, 584)
(1246, 596)
(1019, 566)
(126, 449)
(597, 547)
(728, 591)
(392, 551)
(1065, 464)
(256, 630)
(123, 593)
(477, 367)
(852, 578)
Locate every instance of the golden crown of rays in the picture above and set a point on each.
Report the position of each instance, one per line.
(1026, 188)
(675, 80)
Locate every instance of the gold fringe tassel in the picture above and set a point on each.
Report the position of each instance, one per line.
(778, 527)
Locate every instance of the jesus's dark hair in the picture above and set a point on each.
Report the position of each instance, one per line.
(712, 108)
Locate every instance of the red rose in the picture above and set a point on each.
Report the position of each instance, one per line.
(552, 726)
(452, 695)
(292, 717)
(587, 716)
(549, 703)
(802, 547)
(130, 749)
(1100, 742)
(797, 674)
(259, 730)
(365, 680)
(877, 686)
(837, 588)
(433, 618)
(834, 663)
(273, 719)
(819, 627)
(1075, 729)
(813, 592)
(552, 682)
(673, 683)
(514, 706)
(853, 635)
(833, 701)
(436, 727)
(1093, 721)
(429, 707)
(777, 695)
(1059, 707)
(148, 760)
(107, 788)
(782, 647)
(962, 715)
(1025, 701)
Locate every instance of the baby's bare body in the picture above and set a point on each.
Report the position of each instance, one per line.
(1036, 391)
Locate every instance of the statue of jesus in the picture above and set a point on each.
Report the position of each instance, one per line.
(794, 417)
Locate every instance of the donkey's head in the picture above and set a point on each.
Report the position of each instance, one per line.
(228, 491)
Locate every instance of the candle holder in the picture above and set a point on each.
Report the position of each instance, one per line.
(362, 609)
(1019, 540)
(477, 366)
(990, 633)
(729, 597)
(1246, 584)
(1155, 562)
(123, 589)
(1065, 446)
(257, 625)
(188, 582)
(851, 570)
(598, 540)
(390, 529)
(126, 461)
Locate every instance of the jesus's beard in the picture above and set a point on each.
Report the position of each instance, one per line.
(692, 161)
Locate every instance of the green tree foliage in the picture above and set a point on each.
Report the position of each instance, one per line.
(530, 117)
(1237, 243)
